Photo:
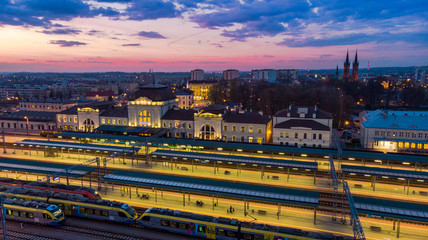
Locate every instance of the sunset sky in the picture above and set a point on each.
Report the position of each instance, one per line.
(180, 35)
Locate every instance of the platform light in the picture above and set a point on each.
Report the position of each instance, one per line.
(281, 153)
(268, 166)
(259, 151)
(281, 167)
(352, 174)
(307, 170)
(219, 162)
(184, 158)
(326, 156)
(420, 180)
(367, 175)
(243, 164)
(229, 162)
(352, 159)
(174, 157)
(294, 169)
(304, 155)
(254, 165)
(385, 177)
(239, 150)
(219, 149)
(406, 163)
(401, 179)
(378, 161)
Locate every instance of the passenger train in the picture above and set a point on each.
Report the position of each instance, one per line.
(209, 227)
(31, 211)
(76, 205)
(55, 187)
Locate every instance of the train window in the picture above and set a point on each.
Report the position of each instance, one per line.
(121, 214)
(248, 236)
(173, 224)
(146, 218)
(15, 213)
(104, 213)
(220, 232)
(82, 210)
(9, 212)
(201, 229)
(192, 228)
(184, 225)
(23, 214)
(230, 234)
(30, 215)
(46, 216)
(97, 212)
(164, 223)
(90, 211)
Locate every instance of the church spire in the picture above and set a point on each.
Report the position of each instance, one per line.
(347, 58)
(356, 57)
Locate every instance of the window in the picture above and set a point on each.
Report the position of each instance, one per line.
(104, 213)
(320, 136)
(382, 133)
(225, 128)
(164, 125)
(65, 119)
(233, 139)
(114, 121)
(177, 135)
(296, 135)
(400, 144)
(121, 214)
(250, 139)
(259, 140)
(190, 126)
(59, 119)
(233, 128)
(164, 223)
(419, 145)
(144, 118)
(146, 218)
(118, 122)
(173, 224)
(242, 129)
(69, 120)
(314, 136)
(250, 129)
(170, 125)
(286, 135)
(406, 145)
(401, 134)
(305, 135)
(189, 135)
(420, 135)
(281, 134)
(103, 121)
(108, 121)
(376, 133)
(412, 145)
(75, 119)
(176, 125)
(259, 130)
(388, 134)
(184, 225)
(124, 122)
(407, 134)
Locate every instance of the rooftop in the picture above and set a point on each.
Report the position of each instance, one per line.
(308, 112)
(155, 92)
(179, 114)
(115, 111)
(34, 116)
(246, 117)
(407, 120)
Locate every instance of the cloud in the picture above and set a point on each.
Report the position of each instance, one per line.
(148, 61)
(323, 56)
(150, 35)
(268, 56)
(153, 9)
(65, 43)
(62, 31)
(101, 62)
(131, 45)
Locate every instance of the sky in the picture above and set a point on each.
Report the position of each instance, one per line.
(180, 35)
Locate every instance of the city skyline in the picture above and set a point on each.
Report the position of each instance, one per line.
(134, 36)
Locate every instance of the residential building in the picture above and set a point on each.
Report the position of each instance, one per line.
(302, 127)
(201, 89)
(185, 98)
(230, 74)
(286, 75)
(268, 75)
(249, 127)
(197, 75)
(101, 96)
(394, 131)
(180, 123)
(31, 122)
(46, 105)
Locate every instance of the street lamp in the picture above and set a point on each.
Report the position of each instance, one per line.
(28, 127)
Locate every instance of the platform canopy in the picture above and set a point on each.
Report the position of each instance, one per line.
(387, 172)
(236, 159)
(45, 168)
(81, 146)
(218, 188)
(393, 209)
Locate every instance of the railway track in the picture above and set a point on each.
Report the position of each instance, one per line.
(12, 235)
(97, 233)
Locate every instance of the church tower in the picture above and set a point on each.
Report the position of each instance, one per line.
(346, 68)
(337, 73)
(355, 68)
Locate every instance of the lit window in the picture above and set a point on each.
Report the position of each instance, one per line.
(406, 145)
(144, 118)
(75, 119)
(233, 139)
(296, 135)
(59, 119)
(250, 139)
(250, 129)
(65, 119)
(108, 121)
(114, 121)
(233, 128)
(242, 129)
(259, 140)
(419, 145)
(225, 128)
(259, 130)
(118, 122)
(281, 134)
(286, 135)
(190, 126)
(400, 144)
(103, 121)
(412, 145)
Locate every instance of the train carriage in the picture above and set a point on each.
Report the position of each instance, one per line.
(209, 227)
(76, 205)
(35, 212)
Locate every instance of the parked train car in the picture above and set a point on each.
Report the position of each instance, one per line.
(35, 212)
(209, 227)
(76, 205)
(55, 187)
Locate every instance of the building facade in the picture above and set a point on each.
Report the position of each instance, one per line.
(201, 89)
(230, 74)
(268, 75)
(394, 131)
(28, 122)
(184, 98)
(302, 127)
(197, 75)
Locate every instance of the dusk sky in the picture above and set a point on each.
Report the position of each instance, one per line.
(180, 35)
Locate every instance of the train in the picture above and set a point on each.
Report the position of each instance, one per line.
(76, 205)
(55, 187)
(32, 211)
(208, 227)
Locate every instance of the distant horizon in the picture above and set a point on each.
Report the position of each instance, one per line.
(180, 35)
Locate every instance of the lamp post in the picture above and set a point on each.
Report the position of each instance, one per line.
(28, 127)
